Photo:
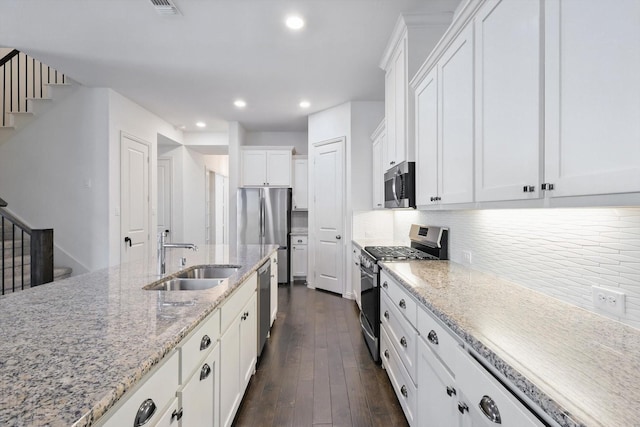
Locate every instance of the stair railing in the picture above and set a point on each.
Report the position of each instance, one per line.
(41, 252)
(23, 77)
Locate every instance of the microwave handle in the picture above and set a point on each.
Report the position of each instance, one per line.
(393, 188)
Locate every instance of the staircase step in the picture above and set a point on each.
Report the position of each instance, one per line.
(60, 273)
(6, 132)
(19, 119)
(17, 244)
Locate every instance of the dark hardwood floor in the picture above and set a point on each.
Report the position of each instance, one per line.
(315, 369)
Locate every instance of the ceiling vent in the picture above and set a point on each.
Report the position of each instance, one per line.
(165, 7)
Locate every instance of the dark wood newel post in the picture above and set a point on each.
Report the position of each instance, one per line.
(41, 256)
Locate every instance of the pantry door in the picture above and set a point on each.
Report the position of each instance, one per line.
(328, 205)
(134, 199)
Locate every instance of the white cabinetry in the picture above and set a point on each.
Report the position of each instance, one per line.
(592, 97)
(411, 42)
(300, 183)
(378, 137)
(274, 287)
(238, 348)
(266, 167)
(299, 255)
(508, 105)
(355, 273)
(198, 396)
(427, 163)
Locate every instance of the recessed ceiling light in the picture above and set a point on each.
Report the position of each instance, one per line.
(294, 22)
(201, 124)
(305, 104)
(239, 103)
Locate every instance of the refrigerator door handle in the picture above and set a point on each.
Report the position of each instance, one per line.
(261, 216)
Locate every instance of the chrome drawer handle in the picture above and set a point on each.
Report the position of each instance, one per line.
(145, 412)
(402, 304)
(386, 354)
(404, 391)
(433, 337)
(451, 391)
(205, 342)
(490, 409)
(384, 285)
(386, 314)
(462, 407)
(403, 341)
(205, 372)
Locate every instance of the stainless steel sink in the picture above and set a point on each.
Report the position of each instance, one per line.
(182, 284)
(210, 272)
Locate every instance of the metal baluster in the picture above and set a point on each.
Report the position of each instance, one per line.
(22, 258)
(2, 250)
(40, 79)
(13, 257)
(4, 101)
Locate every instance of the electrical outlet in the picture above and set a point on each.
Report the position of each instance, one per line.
(608, 300)
(467, 256)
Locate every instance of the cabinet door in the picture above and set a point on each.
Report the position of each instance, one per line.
(274, 288)
(401, 88)
(508, 100)
(169, 418)
(248, 342)
(254, 167)
(389, 153)
(592, 96)
(355, 274)
(230, 394)
(299, 260)
(198, 396)
(427, 139)
(279, 168)
(437, 392)
(300, 184)
(455, 150)
(378, 174)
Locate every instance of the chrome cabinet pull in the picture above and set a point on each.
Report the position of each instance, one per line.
(205, 372)
(402, 304)
(490, 409)
(177, 414)
(205, 342)
(404, 391)
(386, 353)
(386, 314)
(145, 412)
(451, 391)
(462, 407)
(384, 285)
(433, 337)
(403, 342)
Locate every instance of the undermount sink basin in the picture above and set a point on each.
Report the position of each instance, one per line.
(210, 272)
(182, 284)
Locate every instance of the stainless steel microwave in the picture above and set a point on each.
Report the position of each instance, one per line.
(400, 186)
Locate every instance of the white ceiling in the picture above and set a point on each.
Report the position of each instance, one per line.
(191, 67)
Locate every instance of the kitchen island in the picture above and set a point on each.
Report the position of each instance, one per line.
(577, 367)
(69, 350)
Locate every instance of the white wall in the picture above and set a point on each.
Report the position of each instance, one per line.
(54, 174)
(365, 118)
(298, 140)
(126, 116)
(237, 138)
(560, 252)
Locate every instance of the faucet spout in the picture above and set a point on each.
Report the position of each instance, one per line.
(162, 253)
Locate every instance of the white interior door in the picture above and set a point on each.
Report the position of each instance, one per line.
(134, 203)
(328, 181)
(165, 195)
(221, 209)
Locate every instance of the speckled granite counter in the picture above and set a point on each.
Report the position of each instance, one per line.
(581, 368)
(70, 349)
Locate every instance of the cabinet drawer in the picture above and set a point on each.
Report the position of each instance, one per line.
(233, 305)
(400, 298)
(402, 384)
(401, 334)
(199, 344)
(481, 389)
(159, 385)
(438, 339)
(299, 240)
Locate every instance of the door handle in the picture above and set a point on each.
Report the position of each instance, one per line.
(338, 237)
(128, 240)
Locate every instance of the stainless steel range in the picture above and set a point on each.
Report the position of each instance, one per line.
(427, 243)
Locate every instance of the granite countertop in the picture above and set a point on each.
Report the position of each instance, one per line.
(71, 349)
(581, 368)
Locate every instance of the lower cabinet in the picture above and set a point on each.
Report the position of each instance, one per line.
(274, 287)
(198, 396)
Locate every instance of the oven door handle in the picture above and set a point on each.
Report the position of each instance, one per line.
(364, 328)
(371, 276)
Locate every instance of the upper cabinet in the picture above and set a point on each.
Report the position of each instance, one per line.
(413, 38)
(300, 183)
(592, 97)
(508, 107)
(378, 138)
(266, 166)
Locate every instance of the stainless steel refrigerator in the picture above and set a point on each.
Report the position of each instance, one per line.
(264, 217)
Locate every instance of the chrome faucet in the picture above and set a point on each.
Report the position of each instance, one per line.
(163, 245)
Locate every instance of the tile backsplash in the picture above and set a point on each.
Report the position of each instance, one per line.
(560, 252)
